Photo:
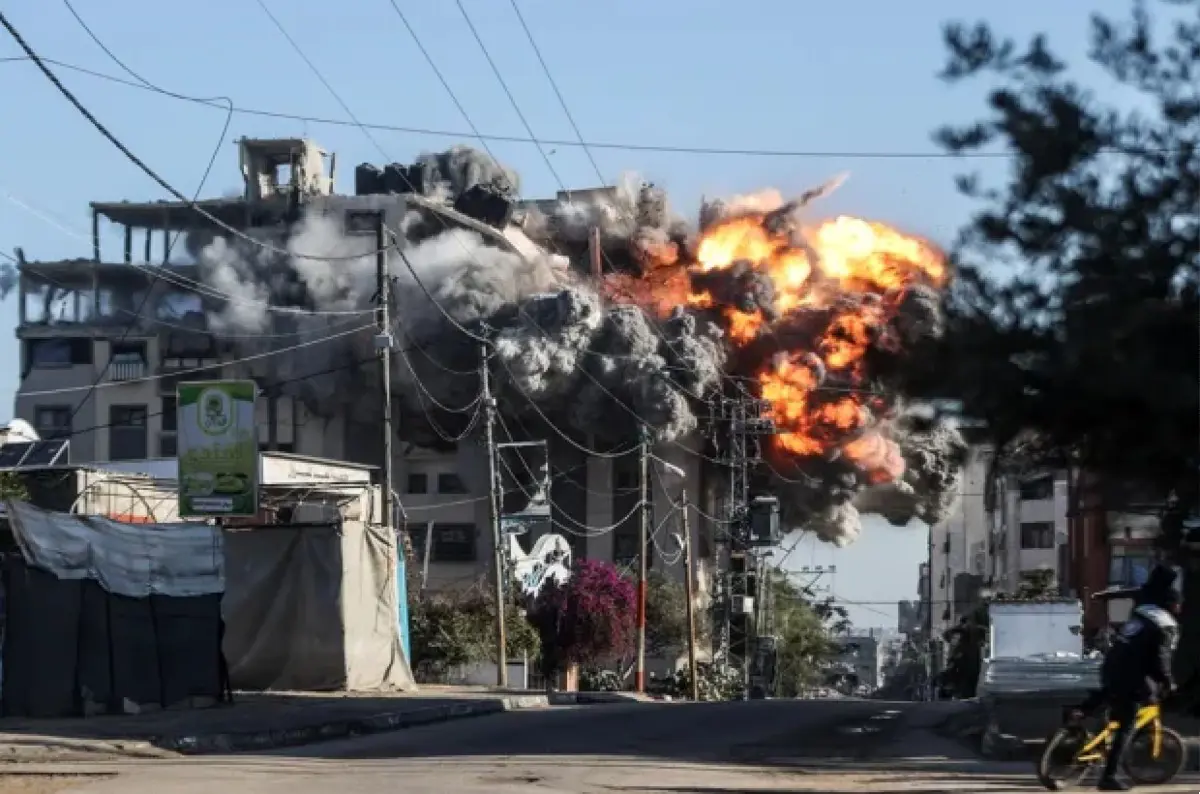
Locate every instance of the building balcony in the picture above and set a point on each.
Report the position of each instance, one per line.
(127, 369)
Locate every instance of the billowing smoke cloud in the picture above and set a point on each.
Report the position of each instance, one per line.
(814, 320)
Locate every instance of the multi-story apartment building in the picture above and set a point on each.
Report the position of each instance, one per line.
(959, 551)
(135, 324)
(1031, 531)
(996, 537)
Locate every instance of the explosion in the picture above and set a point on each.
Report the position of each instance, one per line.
(850, 273)
(812, 319)
(814, 316)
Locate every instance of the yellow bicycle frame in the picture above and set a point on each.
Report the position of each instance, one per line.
(1096, 749)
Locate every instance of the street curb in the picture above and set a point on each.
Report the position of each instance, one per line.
(250, 741)
(16, 750)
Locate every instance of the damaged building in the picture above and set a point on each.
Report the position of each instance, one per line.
(165, 308)
(606, 317)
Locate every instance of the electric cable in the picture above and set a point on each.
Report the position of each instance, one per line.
(549, 499)
(137, 161)
(512, 100)
(171, 243)
(542, 151)
(178, 279)
(570, 142)
(193, 370)
(394, 244)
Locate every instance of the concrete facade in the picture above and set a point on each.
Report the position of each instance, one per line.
(994, 540)
(89, 321)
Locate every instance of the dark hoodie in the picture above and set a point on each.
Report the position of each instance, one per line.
(1139, 663)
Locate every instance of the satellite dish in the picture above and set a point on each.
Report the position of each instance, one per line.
(18, 430)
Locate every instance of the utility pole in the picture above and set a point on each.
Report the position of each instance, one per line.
(643, 549)
(689, 592)
(742, 415)
(383, 344)
(929, 660)
(498, 571)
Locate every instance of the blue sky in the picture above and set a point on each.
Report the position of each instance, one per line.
(856, 75)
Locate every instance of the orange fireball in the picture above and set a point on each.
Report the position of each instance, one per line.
(857, 271)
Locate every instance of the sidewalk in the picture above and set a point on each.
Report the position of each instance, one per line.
(263, 721)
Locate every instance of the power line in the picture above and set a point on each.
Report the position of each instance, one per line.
(73, 432)
(181, 281)
(423, 392)
(562, 102)
(194, 370)
(317, 72)
(466, 116)
(598, 145)
(212, 159)
(147, 170)
(483, 139)
(512, 100)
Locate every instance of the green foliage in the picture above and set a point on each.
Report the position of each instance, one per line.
(448, 630)
(596, 679)
(1072, 320)
(666, 616)
(1071, 328)
(805, 629)
(13, 487)
(716, 683)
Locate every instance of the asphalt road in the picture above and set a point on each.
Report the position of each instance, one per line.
(720, 748)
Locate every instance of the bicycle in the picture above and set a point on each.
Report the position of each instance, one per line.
(1155, 755)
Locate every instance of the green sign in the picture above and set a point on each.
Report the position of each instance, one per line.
(217, 449)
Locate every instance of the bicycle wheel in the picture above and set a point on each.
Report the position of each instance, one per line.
(1058, 768)
(1141, 765)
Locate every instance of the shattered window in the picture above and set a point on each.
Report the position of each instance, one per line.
(178, 305)
(51, 304)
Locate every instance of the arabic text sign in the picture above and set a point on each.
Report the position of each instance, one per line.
(217, 449)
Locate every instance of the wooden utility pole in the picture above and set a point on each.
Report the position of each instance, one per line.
(643, 550)
(498, 572)
(383, 344)
(689, 592)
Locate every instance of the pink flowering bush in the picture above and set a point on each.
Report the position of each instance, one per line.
(590, 618)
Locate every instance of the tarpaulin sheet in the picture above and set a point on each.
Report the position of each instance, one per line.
(135, 560)
(1038, 674)
(72, 648)
(313, 608)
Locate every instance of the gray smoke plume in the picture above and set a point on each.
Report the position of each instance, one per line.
(598, 358)
(606, 369)
(934, 455)
(454, 171)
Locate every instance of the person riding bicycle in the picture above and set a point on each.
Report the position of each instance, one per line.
(1137, 668)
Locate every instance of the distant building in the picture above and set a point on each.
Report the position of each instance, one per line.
(908, 618)
(997, 536)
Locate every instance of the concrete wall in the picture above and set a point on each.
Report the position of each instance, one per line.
(1016, 511)
(52, 379)
(961, 543)
(91, 431)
